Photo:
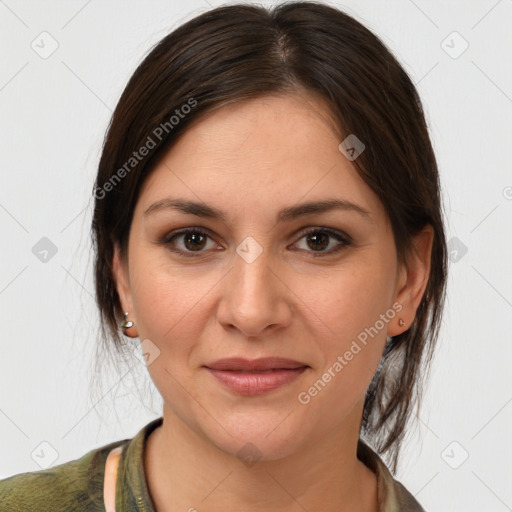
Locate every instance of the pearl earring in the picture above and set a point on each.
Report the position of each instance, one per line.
(126, 323)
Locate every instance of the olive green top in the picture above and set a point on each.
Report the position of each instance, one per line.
(77, 485)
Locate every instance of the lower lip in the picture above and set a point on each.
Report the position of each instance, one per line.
(256, 383)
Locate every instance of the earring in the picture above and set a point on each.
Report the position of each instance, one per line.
(401, 323)
(126, 323)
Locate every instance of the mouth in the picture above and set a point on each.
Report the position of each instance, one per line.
(264, 364)
(255, 377)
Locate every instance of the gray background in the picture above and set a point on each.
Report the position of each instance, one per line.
(55, 108)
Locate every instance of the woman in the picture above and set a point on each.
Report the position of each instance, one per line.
(268, 223)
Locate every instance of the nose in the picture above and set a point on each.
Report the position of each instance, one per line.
(255, 299)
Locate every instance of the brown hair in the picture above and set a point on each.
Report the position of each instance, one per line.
(239, 52)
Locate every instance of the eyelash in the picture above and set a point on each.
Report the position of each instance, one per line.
(345, 240)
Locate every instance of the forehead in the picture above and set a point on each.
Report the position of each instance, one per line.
(256, 154)
(266, 126)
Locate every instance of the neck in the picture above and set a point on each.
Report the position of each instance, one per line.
(185, 471)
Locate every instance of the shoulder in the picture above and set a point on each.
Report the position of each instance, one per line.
(392, 494)
(405, 500)
(75, 485)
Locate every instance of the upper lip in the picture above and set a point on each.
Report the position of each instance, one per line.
(264, 363)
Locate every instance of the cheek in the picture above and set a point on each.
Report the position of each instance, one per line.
(344, 302)
(352, 313)
(170, 304)
(169, 301)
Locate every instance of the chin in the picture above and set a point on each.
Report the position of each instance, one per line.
(258, 437)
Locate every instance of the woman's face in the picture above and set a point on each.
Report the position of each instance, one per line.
(254, 284)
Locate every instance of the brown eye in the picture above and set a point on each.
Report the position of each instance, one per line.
(318, 240)
(194, 241)
(188, 241)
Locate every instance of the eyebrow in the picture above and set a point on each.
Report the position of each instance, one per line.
(286, 214)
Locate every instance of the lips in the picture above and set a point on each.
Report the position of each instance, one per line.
(257, 376)
(266, 364)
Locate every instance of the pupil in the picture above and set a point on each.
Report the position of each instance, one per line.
(195, 237)
(323, 237)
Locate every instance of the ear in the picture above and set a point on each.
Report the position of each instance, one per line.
(122, 280)
(412, 280)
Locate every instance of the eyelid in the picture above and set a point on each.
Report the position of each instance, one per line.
(167, 239)
(335, 233)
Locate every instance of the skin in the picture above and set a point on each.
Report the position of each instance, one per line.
(250, 159)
